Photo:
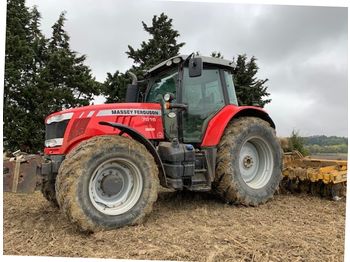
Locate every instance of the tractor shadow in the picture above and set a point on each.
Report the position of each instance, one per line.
(186, 198)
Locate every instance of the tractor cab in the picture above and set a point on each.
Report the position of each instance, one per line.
(192, 90)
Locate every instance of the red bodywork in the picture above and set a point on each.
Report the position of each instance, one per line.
(146, 118)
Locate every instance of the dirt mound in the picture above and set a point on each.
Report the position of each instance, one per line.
(186, 226)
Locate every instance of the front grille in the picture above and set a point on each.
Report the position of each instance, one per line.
(78, 128)
(56, 129)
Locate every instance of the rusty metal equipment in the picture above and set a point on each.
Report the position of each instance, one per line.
(316, 176)
(21, 173)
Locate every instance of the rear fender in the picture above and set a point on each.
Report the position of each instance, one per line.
(218, 123)
(141, 139)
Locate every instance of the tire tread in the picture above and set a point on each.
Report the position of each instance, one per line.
(71, 169)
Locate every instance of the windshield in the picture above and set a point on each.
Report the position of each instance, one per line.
(162, 84)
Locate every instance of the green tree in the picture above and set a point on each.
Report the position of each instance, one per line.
(249, 89)
(325, 144)
(296, 142)
(33, 94)
(161, 46)
(70, 81)
(18, 73)
(114, 87)
(41, 76)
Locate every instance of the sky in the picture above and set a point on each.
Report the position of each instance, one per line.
(302, 50)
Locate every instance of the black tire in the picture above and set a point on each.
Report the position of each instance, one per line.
(49, 192)
(231, 180)
(79, 169)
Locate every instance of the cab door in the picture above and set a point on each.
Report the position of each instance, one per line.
(204, 97)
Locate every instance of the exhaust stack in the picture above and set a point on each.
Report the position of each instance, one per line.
(132, 92)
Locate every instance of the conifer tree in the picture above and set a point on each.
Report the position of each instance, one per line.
(18, 61)
(37, 97)
(249, 89)
(114, 87)
(69, 80)
(41, 76)
(161, 46)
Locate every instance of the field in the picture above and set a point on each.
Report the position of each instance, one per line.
(186, 226)
(338, 156)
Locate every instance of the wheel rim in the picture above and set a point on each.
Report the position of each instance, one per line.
(256, 162)
(115, 186)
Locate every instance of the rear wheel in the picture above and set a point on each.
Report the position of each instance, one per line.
(107, 182)
(249, 162)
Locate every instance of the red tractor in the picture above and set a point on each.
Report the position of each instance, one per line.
(103, 163)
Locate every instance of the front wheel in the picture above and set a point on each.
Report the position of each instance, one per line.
(249, 162)
(107, 182)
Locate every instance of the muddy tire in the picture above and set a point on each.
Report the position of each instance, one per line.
(49, 192)
(107, 182)
(249, 162)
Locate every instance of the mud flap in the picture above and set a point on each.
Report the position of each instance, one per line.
(22, 174)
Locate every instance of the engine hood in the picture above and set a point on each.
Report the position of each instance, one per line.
(117, 109)
(67, 128)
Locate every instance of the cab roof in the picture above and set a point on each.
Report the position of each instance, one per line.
(206, 60)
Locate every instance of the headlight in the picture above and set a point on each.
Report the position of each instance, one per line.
(177, 60)
(167, 97)
(59, 118)
(54, 142)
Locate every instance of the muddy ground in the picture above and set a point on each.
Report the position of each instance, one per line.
(186, 226)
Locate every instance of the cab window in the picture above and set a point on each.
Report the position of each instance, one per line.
(230, 88)
(162, 84)
(159, 86)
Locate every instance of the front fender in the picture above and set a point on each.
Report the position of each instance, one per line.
(144, 141)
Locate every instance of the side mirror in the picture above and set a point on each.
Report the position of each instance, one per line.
(195, 67)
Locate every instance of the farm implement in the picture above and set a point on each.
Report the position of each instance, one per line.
(21, 173)
(323, 177)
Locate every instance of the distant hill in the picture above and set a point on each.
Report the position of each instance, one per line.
(326, 144)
